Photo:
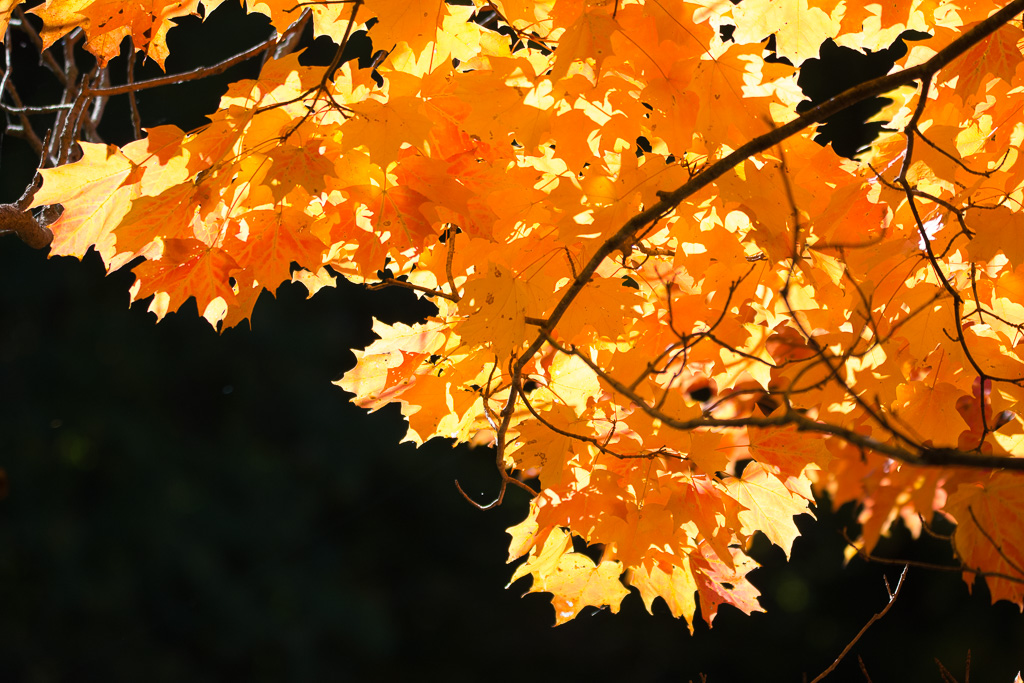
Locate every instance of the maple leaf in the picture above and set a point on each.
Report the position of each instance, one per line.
(187, 268)
(167, 215)
(384, 127)
(502, 303)
(770, 505)
(370, 380)
(588, 37)
(725, 116)
(275, 239)
(97, 191)
(720, 583)
(789, 455)
(997, 231)
(298, 166)
(996, 56)
(930, 410)
(396, 213)
(538, 447)
(674, 584)
(329, 19)
(107, 22)
(100, 186)
(799, 27)
(989, 517)
(573, 579)
(6, 10)
(707, 505)
(599, 311)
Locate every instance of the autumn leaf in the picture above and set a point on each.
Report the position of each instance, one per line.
(107, 22)
(370, 380)
(996, 56)
(790, 456)
(573, 579)
(502, 303)
(799, 27)
(296, 166)
(395, 213)
(274, 240)
(675, 585)
(167, 215)
(997, 231)
(588, 37)
(538, 447)
(6, 9)
(415, 24)
(770, 506)
(187, 268)
(720, 583)
(930, 410)
(599, 311)
(97, 191)
(989, 517)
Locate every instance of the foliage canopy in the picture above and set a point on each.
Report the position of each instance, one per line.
(669, 309)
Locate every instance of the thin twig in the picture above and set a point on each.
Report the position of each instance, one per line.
(449, 258)
(194, 74)
(930, 566)
(893, 594)
(392, 282)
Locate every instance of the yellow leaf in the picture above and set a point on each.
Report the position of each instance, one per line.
(675, 585)
(771, 507)
(499, 304)
(573, 579)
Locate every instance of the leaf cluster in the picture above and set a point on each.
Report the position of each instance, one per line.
(672, 314)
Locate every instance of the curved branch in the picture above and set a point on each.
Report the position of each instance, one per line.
(792, 417)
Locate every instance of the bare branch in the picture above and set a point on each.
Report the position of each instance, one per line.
(893, 594)
(194, 74)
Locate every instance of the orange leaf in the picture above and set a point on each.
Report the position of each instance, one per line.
(721, 583)
(996, 56)
(588, 38)
(930, 411)
(107, 22)
(187, 268)
(996, 231)
(6, 10)
(167, 215)
(275, 239)
(989, 518)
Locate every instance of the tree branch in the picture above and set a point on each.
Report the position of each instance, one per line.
(893, 594)
(194, 74)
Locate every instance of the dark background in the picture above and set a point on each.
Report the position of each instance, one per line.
(186, 505)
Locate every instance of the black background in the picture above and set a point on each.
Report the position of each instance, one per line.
(188, 505)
